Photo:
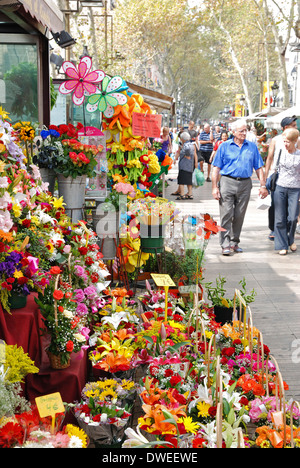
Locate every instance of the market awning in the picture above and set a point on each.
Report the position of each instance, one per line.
(274, 122)
(45, 12)
(263, 114)
(159, 102)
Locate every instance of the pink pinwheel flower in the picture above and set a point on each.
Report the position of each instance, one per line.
(82, 80)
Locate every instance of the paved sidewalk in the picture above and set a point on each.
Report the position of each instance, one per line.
(276, 279)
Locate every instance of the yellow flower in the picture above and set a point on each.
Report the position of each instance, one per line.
(18, 274)
(58, 202)
(2, 163)
(17, 210)
(77, 432)
(4, 114)
(203, 409)
(27, 133)
(189, 424)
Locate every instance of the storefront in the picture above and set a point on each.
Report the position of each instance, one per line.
(25, 29)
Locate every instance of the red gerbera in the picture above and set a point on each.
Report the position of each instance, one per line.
(11, 434)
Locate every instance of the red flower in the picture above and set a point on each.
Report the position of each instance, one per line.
(175, 379)
(58, 294)
(168, 372)
(55, 270)
(228, 351)
(10, 435)
(212, 411)
(69, 346)
(83, 250)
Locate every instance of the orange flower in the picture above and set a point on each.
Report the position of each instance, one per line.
(160, 425)
(57, 294)
(7, 236)
(112, 362)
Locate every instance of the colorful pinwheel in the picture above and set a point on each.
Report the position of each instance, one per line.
(109, 97)
(82, 80)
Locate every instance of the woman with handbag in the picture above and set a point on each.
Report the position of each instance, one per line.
(287, 193)
(187, 163)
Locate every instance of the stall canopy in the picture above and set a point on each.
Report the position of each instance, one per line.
(274, 122)
(44, 12)
(159, 102)
(265, 113)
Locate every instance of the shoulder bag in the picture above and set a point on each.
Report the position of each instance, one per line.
(272, 180)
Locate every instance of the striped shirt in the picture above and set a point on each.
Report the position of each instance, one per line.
(207, 146)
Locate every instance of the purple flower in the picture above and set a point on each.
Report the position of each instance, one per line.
(79, 295)
(82, 309)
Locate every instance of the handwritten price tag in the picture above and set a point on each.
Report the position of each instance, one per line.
(162, 280)
(50, 405)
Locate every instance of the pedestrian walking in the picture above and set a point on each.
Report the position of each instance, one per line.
(232, 170)
(206, 140)
(287, 193)
(276, 146)
(187, 164)
(223, 137)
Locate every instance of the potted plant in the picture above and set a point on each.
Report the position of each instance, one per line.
(74, 164)
(223, 306)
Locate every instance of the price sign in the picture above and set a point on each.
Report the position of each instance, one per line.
(162, 280)
(146, 125)
(50, 405)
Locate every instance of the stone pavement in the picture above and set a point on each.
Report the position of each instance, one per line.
(276, 279)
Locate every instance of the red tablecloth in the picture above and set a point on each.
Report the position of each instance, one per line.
(22, 327)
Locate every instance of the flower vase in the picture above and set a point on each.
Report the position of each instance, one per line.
(48, 175)
(73, 193)
(106, 225)
(17, 301)
(152, 237)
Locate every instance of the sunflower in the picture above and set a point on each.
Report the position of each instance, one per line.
(27, 133)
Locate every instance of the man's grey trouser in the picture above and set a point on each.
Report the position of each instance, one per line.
(235, 196)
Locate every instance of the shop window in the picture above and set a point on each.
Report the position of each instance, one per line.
(19, 80)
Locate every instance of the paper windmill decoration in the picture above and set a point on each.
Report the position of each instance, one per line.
(111, 96)
(82, 82)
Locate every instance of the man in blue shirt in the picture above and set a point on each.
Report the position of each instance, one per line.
(233, 167)
(206, 140)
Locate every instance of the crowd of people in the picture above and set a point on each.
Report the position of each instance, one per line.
(231, 157)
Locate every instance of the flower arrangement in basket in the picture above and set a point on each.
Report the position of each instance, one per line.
(63, 324)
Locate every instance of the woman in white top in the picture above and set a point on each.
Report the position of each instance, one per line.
(287, 193)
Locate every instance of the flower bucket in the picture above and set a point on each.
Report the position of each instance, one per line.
(152, 237)
(73, 193)
(223, 314)
(17, 301)
(48, 175)
(56, 362)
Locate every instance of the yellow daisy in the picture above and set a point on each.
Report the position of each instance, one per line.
(76, 431)
(203, 409)
(189, 424)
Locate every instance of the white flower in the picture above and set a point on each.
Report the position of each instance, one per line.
(135, 439)
(68, 313)
(4, 182)
(75, 442)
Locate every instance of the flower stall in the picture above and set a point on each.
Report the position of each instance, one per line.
(151, 369)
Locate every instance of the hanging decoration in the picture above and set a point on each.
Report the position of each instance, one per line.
(109, 97)
(82, 80)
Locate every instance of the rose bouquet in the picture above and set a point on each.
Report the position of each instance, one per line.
(104, 422)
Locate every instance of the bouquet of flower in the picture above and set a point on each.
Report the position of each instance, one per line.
(153, 211)
(116, 391)
(19, 274)
(104, 422)
(64, 323)
(49, 148)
